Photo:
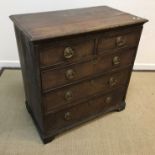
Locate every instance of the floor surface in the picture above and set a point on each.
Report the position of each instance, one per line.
(130, 132)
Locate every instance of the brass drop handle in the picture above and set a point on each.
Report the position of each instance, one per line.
(70, 74)
(116, 60)
(68, 52)
(68, 95)
(67, 116)
(120, 41)
(108, 99)
(113, 81)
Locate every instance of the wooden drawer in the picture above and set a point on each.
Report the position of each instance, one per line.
(61, 76)
(65, 51)
(72, 49)
(116, 39)
(75, 114)
(70, 94)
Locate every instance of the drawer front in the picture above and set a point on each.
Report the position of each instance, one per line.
(73, 49)
(61, 76)
(65, 52)
(70, 94)
(118, 39)
(84, 110)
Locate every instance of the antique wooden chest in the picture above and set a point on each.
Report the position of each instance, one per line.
(76, 64)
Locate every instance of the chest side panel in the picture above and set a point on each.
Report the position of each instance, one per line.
(31, 76)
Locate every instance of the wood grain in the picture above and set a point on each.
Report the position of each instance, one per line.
(39, 26)
(72, 76)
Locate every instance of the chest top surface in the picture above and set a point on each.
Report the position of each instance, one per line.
(44, 25)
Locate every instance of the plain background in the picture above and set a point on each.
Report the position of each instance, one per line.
(8, 48)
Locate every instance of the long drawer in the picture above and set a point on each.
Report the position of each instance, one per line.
(65, 75)
(70, 94)
(85, 110)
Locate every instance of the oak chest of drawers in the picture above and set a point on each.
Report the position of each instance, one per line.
(76, 64)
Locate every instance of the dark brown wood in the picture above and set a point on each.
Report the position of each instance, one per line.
(53, 78)
(76, 64)
(52, 54)
(88, 108)
(127, 37)
(39, 26)
(87, 89)
(31, 78)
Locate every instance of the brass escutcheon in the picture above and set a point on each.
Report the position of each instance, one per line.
(67, 116)
(108, 99)
(70, 74)
(116, 60)
(120, 41)
(68, 95)
(112, 81)
(68, 52)
(94, 61)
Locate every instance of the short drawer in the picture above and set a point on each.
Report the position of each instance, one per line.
(83, 111)
(70, 94)
(116, 39)
(65, 51)
(62, 76)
